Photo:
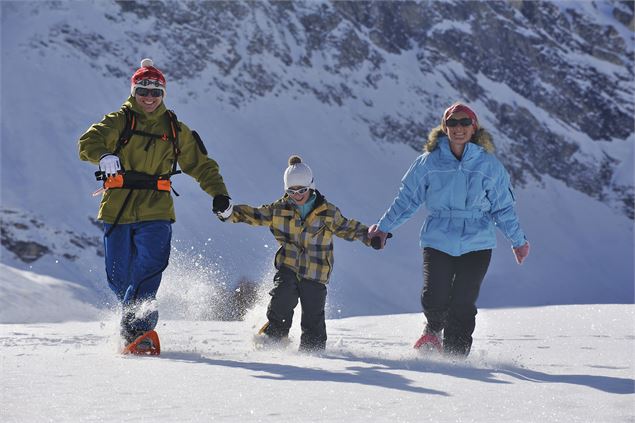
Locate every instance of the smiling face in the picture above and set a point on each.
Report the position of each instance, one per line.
(299, 198)
(459, 134)
(148, 103)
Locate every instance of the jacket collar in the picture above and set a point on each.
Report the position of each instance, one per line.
(320, 204)
(471, 150)
(319, 199)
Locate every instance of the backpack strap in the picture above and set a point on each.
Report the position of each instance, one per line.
(128, 129)
(124, 138)
(175, 127)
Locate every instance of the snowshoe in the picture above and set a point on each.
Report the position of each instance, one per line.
(146, 344)
(263, 341)
(429, 342)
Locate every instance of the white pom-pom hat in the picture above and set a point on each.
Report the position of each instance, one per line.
(298, 174)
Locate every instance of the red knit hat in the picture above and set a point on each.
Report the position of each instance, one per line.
(147, 76)
(460, 107)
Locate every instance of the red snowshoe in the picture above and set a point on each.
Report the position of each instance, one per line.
(429, 342)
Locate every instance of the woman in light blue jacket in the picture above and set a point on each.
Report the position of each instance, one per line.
(467, 192)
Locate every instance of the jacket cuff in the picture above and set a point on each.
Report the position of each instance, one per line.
(520, 243)
(384, 226)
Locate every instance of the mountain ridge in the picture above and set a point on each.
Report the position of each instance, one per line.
(353, 88)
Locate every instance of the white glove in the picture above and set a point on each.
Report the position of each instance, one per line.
(109, 164)
(224, 215)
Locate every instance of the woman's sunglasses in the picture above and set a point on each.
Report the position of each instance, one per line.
(149, 92)
(456, 122)
(297, 191)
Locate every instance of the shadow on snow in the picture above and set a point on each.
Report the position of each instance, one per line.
(379, 373)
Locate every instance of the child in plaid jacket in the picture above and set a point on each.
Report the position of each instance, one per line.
(303, 222)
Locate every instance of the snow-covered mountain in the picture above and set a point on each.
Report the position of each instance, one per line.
(353, 87)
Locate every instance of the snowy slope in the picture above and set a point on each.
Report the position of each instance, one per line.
(26, 297)
(556, 363)
(582, 248)
(560, 363)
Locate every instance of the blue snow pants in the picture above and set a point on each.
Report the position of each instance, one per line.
(136, 256)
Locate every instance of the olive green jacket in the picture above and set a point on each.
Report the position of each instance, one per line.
(151, 156)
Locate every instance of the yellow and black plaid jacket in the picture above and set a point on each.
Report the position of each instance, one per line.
(306, 246)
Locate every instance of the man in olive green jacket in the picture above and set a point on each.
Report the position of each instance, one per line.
(138, 215)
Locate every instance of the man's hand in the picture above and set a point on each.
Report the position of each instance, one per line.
(109, 164)
(222, 206)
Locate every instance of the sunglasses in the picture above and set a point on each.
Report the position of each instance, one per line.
(297, 191)
(146, 92)
(456, 122)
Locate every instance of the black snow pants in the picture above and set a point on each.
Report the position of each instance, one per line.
(451, 285)
(284, 298)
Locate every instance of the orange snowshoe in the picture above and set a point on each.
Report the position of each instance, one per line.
(146, 344)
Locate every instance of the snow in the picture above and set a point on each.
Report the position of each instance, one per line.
(449, 25)
(59, 361)
(27, 297)
(555, 363)
(559, 363)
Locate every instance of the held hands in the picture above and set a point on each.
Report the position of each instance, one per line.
(377, 237)
(521, 253)
(109, 164)
(222, 207)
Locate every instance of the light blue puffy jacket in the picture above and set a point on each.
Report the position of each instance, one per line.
(465, 198)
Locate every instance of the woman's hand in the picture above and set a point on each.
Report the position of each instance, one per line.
(374, 232)
(521, 253)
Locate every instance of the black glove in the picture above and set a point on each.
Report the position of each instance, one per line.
(220, 203)
(375, 241)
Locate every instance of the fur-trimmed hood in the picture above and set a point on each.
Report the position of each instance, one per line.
(481, 137)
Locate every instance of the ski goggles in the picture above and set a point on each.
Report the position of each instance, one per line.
(149, 83)
(297, 191)
(148, 92)
(456, 122)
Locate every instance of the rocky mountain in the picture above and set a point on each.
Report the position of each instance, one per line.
(354, 86)
(568, 72)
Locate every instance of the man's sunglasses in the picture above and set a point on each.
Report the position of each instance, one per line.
(146, 92)
(456, 122)
(297, 191)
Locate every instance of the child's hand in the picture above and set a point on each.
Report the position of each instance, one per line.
(377, 237)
